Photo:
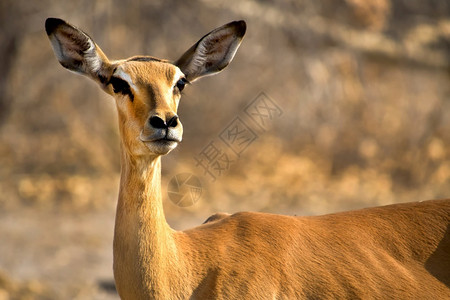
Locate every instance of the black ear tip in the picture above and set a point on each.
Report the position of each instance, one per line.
(52, 23)
(241, 26)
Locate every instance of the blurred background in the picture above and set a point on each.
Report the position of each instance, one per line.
(364, 87)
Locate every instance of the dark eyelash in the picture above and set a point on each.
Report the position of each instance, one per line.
(121, 86)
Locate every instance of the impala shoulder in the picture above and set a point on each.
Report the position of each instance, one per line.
(249, 219)
(257, 221)
(216, 217)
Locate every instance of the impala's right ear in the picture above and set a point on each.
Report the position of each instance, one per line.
(213, 52)
(76, 51)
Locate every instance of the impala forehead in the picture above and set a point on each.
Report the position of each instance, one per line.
(149, 73)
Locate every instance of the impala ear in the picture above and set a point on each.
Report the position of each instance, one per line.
(76, 51)
(213, 52)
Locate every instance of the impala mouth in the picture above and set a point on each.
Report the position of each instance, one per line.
(164, 141)
(161, 141)
(161, 146)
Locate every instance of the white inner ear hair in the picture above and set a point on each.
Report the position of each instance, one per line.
(93, 62)
(200, 56)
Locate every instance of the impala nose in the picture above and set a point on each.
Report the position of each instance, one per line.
(158, 123)
(173, 122)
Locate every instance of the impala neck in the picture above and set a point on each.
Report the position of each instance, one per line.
(143, 241)
(140, 191)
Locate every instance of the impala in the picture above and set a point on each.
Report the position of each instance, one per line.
(399, 251)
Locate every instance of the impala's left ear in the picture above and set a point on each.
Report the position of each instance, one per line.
(76, 51)
(213, 52)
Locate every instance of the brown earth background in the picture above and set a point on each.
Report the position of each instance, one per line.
(363, 86)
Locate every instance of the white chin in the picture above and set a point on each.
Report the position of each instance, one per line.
(161, 147)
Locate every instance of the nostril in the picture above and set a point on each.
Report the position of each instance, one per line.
(157, 122)
(173, 122)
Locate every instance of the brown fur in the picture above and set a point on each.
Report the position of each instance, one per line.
(400, 251)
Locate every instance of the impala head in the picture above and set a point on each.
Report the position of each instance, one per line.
(147, 90)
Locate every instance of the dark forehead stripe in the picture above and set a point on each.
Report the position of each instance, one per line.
(145, 58)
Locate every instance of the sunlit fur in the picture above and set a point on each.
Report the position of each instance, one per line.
(400, 251)
(154, 84)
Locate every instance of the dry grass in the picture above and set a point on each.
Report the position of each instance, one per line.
(363, 87)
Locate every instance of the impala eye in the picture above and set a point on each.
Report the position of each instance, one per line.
(181, 83)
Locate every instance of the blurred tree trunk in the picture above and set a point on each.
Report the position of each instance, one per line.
(11, 34)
